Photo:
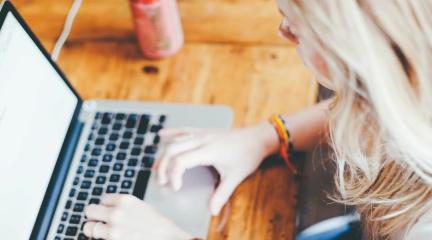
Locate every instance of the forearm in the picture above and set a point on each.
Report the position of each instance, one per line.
(308, 128)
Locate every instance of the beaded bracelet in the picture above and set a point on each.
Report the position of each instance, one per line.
(285, 143)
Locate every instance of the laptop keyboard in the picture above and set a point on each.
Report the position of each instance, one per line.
(117, 158)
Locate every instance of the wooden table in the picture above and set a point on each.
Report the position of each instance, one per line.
(232, 56)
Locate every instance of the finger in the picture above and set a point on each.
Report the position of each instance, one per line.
(222, 194)
(97, 212)
(171, 133)
(110, 199)
(96, 230)
(172, 151)
(116, 199)
(182, 134)
(184, 162)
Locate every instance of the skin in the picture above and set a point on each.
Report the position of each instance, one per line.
(128, 218)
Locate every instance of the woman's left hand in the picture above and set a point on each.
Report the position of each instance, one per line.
(125, 217)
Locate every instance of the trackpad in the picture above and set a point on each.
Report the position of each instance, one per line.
(189, 207)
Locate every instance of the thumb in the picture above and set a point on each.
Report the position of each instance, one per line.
(222, 193)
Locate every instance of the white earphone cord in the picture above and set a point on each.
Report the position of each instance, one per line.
(66, 29)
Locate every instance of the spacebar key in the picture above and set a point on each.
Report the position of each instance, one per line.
(141, 184)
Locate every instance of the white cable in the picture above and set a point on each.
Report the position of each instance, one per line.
(66, 29)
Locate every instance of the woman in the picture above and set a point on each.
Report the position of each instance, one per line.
(375, 55)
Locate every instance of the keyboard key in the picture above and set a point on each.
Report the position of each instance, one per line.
(132, 162)
(72, 192)
(75, 181)
(141, 184)
(68, 204)
(60, 228)
(75, 219)
(115, 178)
(130, 123)
(89, 173)
(81, 236)
(118, 167)
(64, 216)
(79, 207)
(57, 238)
(90, 137)
(103, 131)
(82, 196)
(148, 161)
(143, 124)
(97, 191)
(83, 158)
(121, 156)
(117, 126)
(96, 152)
(100, 179)
(93, 162)
(120, 116)
(162, 119)
(87, 147)
(98, 115)
(124, 145)
(94, 201)
(127, 135)
(150, 149)
(80, 170)
(155, 128)
(71, 231)
(156, 139)
(94, 126)
(126, 184)
(100, 141)
(129, 173)
(111, 147)
(111, 189)
(139, 140)
(107, 158)
(106, 118)
(133, 116)
(104, 169)
(85, 185)
(136, 151)
(114, 137)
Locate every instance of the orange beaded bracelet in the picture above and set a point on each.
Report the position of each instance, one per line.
(285, 143)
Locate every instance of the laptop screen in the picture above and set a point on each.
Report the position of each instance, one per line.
(36, 109)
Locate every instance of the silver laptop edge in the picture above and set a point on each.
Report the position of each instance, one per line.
(189, 207)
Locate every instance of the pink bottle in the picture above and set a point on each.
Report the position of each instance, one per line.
(158, 27)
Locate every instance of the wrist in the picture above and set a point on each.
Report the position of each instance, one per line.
(268, 137)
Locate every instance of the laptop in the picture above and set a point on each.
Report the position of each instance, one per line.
(58, 153)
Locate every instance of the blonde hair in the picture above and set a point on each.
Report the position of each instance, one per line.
(379, 59)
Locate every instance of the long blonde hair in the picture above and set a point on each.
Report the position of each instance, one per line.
(379, 59)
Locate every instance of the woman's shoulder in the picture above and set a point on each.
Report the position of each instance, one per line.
(422, 229)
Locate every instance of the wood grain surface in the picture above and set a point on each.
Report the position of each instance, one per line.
(232, 56)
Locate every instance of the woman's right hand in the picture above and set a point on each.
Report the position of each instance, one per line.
(235, 154)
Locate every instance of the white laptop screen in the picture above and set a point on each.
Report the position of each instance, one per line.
(36, 108)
